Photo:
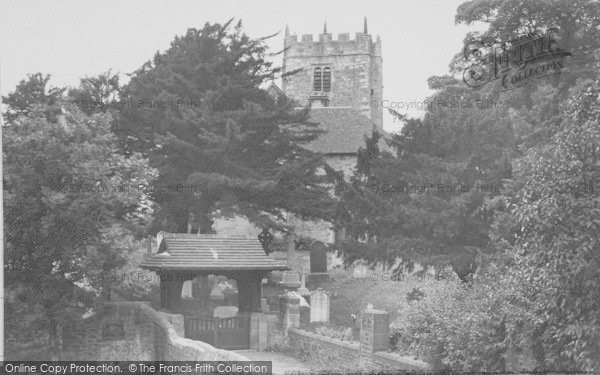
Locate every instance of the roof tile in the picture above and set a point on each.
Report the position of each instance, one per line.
(211, 253)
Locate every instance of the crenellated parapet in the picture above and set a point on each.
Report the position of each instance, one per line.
(308, 44)
(343, 70)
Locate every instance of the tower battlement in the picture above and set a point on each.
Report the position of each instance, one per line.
(341, 72)
(309, 44)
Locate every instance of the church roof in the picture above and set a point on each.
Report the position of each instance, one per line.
(345, 130)
(209, 252)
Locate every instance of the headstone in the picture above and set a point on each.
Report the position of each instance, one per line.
(225, 311)
(216, 294)
(360, 270)
(186, 290)
(318, 257)
(319, 306)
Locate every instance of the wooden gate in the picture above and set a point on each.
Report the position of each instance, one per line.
(225, 333)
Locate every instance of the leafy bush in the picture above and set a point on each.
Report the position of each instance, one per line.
(350, 296)
(463, 328)
(415, 295)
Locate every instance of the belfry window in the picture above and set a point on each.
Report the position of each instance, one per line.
(322, 79)
(327, 79)
(318, 80)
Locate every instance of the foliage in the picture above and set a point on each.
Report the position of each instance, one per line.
(206, 123)
(98, 94)
(543, 295)
(30, 93)
(350, 296)
(422, 204)
(556, 216)
(66, 220)
(415, 295)
(464, 328)
(537, 238)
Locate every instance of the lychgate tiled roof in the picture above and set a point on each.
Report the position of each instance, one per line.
(206, 252)
(345, 130)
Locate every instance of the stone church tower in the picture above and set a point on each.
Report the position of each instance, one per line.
(342, 73)
(342, 81)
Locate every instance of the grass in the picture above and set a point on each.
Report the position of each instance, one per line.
(350, 296)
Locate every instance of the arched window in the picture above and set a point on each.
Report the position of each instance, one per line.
(318, 80)
(322, 79)
(327, 79)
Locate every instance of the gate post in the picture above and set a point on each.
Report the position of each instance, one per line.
(374, 336)
(258, 331)
(289, 311)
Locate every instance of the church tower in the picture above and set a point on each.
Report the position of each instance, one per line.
(341, 73)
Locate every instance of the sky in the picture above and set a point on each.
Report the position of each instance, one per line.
(72, 39)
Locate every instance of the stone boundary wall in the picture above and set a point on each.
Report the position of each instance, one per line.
(344, 356)
(138, 333)
(171, 346)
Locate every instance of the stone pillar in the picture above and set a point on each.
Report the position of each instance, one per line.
(259, 333)
(289, 311)
(374, 335)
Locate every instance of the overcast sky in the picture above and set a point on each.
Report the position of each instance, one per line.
(70, 39)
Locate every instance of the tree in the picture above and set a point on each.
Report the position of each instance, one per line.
(200, 115)
(555, 235)
(31, 92)
(97, 94)
(442, 169)
(70, 202)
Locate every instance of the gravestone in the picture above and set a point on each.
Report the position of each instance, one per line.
(225, 311)
(319, 306)
(318, 257)
(360, 270)
(186, 290)
(216, 294)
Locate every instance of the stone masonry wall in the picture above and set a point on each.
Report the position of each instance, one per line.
(356, 77)
(344, 356)
(138, 333)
